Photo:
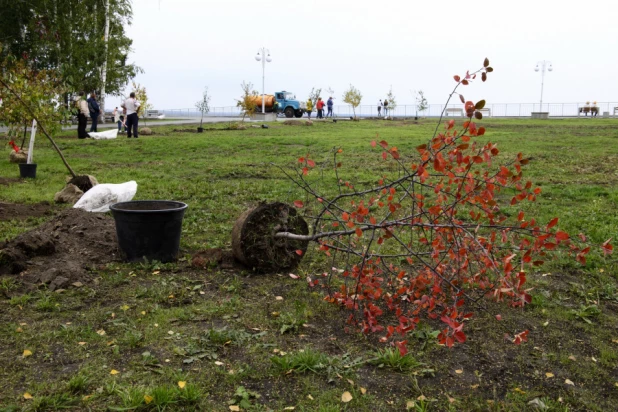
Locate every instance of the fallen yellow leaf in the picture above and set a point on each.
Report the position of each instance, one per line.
(143, 312)
(518, 390)
(19, 330)
(27, 396)
(346, 397)
(616, 384)
(289, 408)
(81, 343)
(156, 272)
(279, 297)
(549, 374)
(101, 332)
(573, 358)
(474, 386)
(85, 398)
(459, 371)
(569, 382)
(363, 390)
(182, 384)
(311, 397)
(234, 408)
(351, 382)
(410, 404)
(27, 353)
(148, 399)
(114, 372)
(124, 307)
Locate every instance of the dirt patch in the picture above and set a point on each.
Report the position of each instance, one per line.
(10, 211)
(5, 181)
(216, 258)
(60, 252)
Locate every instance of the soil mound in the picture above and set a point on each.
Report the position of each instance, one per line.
(60, 253)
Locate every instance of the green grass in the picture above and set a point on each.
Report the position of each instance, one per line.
(225, 329)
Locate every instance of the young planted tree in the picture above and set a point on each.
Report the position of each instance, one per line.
(203, 105)
(314, 94)
(431, 238)
(141, 95)
(353, 97)
(421, 102)
(247, 101)
(392, 101)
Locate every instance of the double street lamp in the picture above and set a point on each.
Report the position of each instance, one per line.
(263, 55)
(542, 65)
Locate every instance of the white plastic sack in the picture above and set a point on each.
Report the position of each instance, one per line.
(101, 197)
(108, 134)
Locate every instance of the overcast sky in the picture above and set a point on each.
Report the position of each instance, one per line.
(185, 45)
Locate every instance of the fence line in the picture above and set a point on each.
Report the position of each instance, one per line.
(433, 110)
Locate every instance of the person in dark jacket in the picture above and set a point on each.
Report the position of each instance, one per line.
(94, 109)
(329, 106)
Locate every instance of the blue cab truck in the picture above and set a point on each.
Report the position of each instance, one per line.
(286, 103)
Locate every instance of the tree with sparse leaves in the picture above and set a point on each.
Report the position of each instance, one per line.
(203, 105)
(421, 102)
(246, 103)
(392, 102)
(314, 94)
(353, 97)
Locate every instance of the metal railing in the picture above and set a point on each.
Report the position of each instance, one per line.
(434, 110)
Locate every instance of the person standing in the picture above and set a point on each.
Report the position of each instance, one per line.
(130, 107)
(117, 118)
(320, 107)
(380, 108)
(329, 105)
(309, 108)
(385, 108)
(93, 108)
(82, 112)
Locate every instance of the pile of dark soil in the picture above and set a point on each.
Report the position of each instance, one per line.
(60, 253)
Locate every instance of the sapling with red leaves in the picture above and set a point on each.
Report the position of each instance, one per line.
(432, 239)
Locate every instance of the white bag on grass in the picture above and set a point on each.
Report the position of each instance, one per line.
(101, 197)
(108, 134)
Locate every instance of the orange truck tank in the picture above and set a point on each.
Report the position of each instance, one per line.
(269, 101)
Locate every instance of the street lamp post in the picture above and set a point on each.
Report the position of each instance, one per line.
(263, 55)
(542, 65)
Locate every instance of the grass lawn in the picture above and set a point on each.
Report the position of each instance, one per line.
(173, 337)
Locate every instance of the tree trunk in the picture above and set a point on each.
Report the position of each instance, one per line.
(104, 71)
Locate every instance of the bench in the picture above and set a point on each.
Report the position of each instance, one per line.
(454, 110)
(593, 110)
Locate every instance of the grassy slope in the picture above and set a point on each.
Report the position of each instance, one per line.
(219, 174)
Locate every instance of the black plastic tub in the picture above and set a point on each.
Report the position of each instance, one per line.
(27, 170)
(149, 229)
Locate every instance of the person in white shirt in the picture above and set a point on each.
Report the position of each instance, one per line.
(380, 108)
(82, 107)
(130, 107)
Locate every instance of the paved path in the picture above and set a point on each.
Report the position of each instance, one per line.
(192, 120)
